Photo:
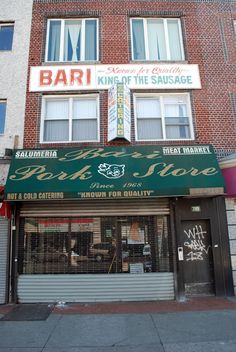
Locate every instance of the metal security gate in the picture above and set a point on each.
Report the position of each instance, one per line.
(95, 288)
(92, 287)
(97, 208)
(3, 259)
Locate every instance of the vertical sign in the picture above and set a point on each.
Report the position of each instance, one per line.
(127, 114)
(112, 114)
(119, 112)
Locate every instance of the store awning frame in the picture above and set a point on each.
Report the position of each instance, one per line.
(113, 172)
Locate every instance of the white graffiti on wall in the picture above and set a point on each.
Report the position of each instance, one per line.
(195, 243)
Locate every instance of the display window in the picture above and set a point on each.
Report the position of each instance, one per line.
(135, 245)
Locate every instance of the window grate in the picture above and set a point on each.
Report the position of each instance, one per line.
(95, 245)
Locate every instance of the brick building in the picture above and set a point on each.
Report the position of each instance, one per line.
(118, 191)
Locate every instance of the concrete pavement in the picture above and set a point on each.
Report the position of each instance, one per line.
(66, 330)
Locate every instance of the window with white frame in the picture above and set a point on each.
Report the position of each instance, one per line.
(72, 40)
(163, 117)
(3, 106)
(70, 119)
(234, 22)
(156, 39)
(6, 36)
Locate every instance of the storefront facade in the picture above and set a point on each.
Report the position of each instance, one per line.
(117, 194)
(100, 224)
(228, 168)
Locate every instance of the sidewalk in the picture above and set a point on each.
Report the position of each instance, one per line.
(190, 304)
(193, 304)
(197, 325)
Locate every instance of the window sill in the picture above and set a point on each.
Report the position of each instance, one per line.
(6, 50)
(171, 62)
(68, 142)
(164, 140)
(73, 63)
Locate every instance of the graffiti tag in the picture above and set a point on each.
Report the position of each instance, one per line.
(195, 242)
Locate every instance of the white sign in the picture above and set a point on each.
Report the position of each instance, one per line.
(90, 77)
(112, 113)
(136, 268)
(119, 116)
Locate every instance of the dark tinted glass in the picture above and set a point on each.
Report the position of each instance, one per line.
(2, 116)
(6, 37)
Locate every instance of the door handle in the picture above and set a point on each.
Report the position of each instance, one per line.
(180, 253)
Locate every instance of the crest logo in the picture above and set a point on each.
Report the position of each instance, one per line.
(111, 171)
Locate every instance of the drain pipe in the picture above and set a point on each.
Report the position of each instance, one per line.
(12, 295)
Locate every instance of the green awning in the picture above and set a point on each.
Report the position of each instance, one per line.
(113, 172)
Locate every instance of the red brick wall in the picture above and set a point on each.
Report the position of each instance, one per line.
(209, 41)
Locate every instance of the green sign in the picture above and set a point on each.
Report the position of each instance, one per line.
(112, 172)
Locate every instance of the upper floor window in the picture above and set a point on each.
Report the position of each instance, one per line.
(70, 119)
(156, 39)
(72, 40)
(3, 106)
(235, 26)
(6, 36)
(163, 117)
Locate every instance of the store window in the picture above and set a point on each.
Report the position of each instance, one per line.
(6, 36)
(70, 119)
(163, 117)
(72, 40)
(3, 106)
(157, 39)
(134, 245)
